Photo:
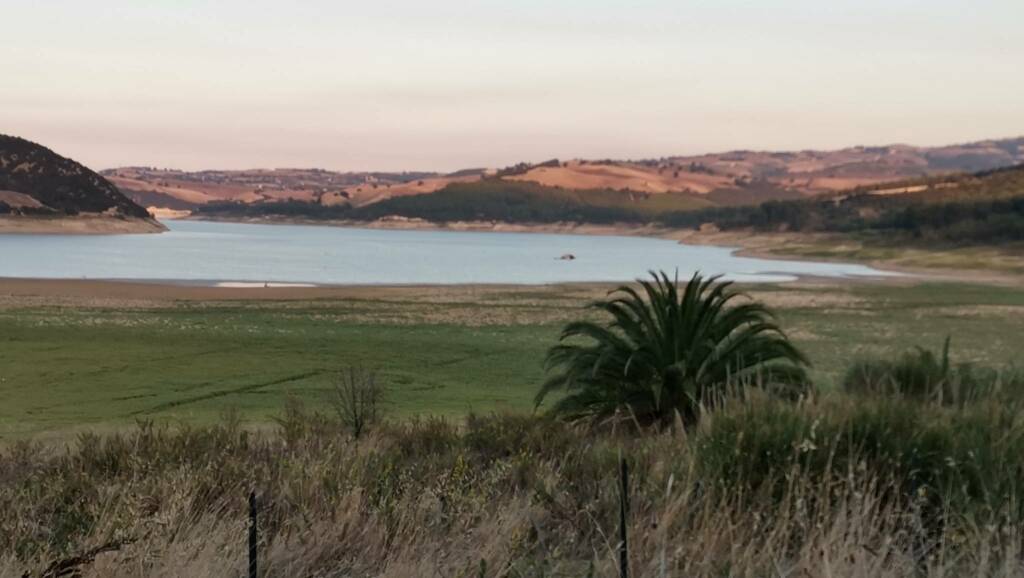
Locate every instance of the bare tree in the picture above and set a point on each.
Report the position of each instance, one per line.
(358, 399)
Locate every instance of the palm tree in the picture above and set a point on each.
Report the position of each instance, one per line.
(671, 352)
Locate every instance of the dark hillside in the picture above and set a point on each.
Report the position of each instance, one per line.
(485, 200)
(59, 185)
(982, 208)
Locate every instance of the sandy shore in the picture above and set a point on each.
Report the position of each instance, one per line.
(564, 228)
(114, 293)
(787, 247)
(57, 291)
(80, 225)
(168, 291)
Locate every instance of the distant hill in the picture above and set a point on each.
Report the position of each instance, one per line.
(37, 183)
(984, 208)
(174, 189)
(489, 200)
(722, 179)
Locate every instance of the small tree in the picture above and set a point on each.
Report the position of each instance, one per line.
(358, 399)
(670, 349)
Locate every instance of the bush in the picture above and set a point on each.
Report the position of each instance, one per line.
(926, 375)
(357, 399)
(847, 486)
(948, 462)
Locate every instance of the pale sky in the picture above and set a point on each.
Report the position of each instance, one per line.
(448, 84)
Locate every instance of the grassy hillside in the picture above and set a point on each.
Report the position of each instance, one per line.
(718, 179)
(487, 200)
(60, 185)
(518, 202)
(1002, 183)
(984, 208)
(980, 209)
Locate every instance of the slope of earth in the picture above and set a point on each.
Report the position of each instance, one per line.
(722, 179)
(182, 190)
(958, 223)
(803, 172)
(42, 191)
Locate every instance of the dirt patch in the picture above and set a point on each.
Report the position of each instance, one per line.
(78, 225)
(980, 311)
(808, 299)
(19, 200)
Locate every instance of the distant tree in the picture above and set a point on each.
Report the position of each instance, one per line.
(358, 400)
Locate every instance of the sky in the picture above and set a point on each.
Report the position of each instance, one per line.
(450, 84)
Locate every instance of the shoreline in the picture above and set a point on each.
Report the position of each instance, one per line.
(740, 244)
(79, 225)
(751, 245)
(15, 290)
(767, 246)
(560, 228)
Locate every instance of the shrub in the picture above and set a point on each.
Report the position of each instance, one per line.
(846, 486)
(357, 399)
(965, 461)
(927, 375)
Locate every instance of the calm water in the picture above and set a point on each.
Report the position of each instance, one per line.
(205, 252)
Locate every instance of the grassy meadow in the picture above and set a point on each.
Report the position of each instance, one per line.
(104, 363)
(135, 426)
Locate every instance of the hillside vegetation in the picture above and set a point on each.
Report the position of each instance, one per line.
(983, 208)
(718, 179)
(35, 181)
(486, 200)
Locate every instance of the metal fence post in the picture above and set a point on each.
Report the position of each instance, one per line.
(253, 536)
(623, 516)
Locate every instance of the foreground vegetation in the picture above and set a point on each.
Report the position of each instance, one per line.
(838, 485)
(909, 466)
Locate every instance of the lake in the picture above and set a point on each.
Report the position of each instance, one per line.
(241, 254)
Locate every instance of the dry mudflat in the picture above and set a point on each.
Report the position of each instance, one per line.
(79, 225)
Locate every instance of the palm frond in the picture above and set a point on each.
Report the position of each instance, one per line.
(666, 350)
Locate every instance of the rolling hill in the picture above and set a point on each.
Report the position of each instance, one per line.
(723, 179)
(983, 208)
(41, 190)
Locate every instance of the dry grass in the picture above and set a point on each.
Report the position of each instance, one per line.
(832, 487)
(580, 176)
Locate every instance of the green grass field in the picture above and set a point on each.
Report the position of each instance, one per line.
(443, 351)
